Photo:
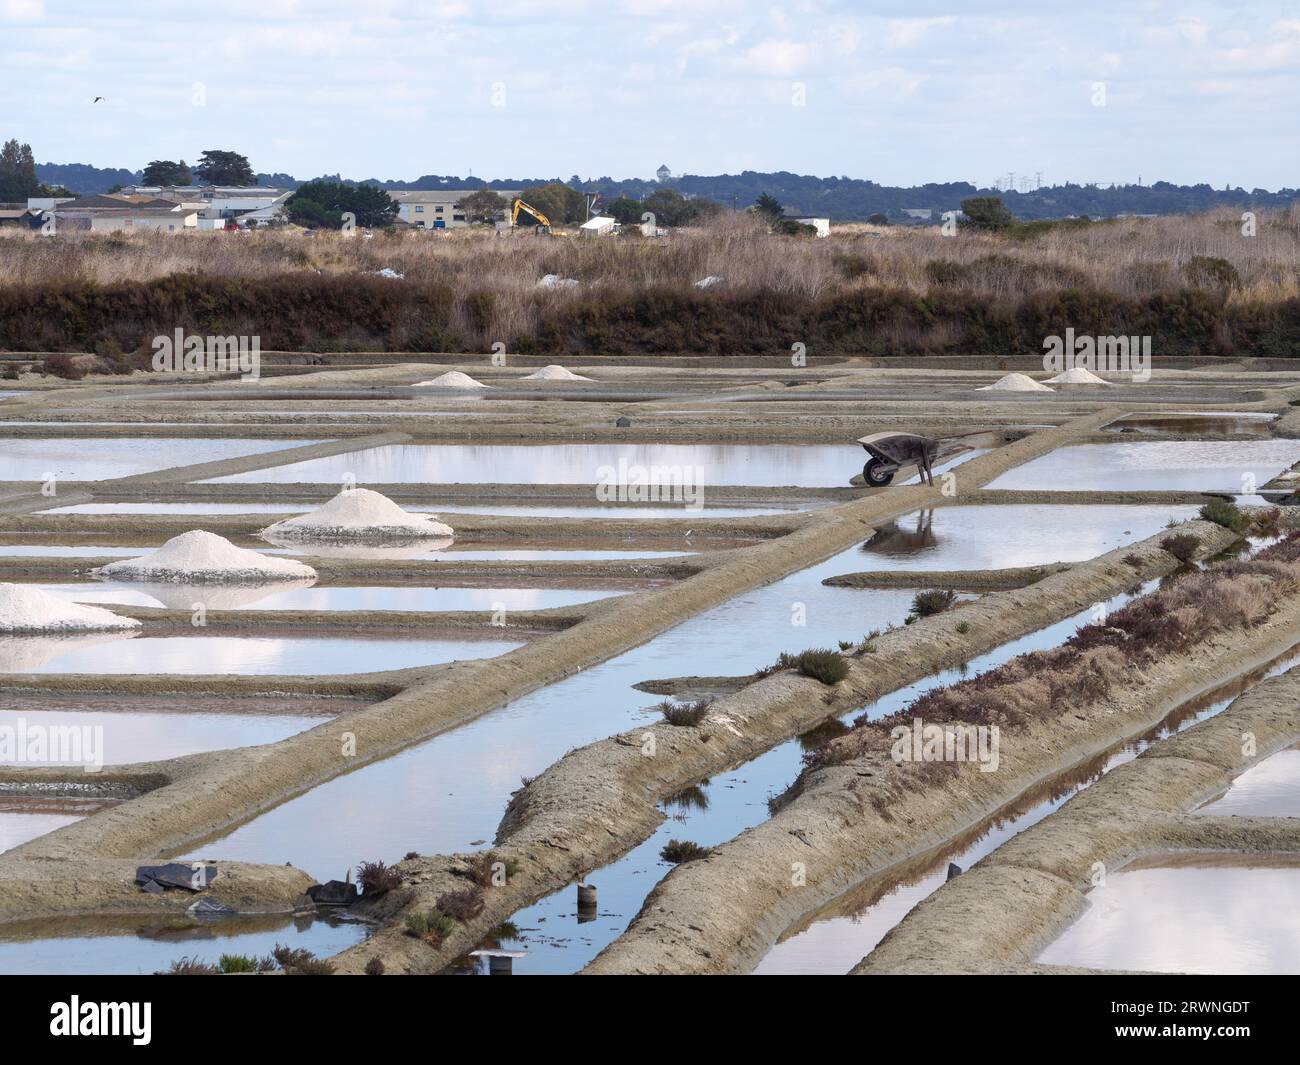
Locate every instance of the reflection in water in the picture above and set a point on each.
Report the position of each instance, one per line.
(1189, 465)
(138, 946)
(1191, 423)
(125, 736)
(304, 595)
(97, 460)
(803, 465)
(258, 655)
(894, 538)
(1220, 913)
(1010, 536)
(29, 654)
(1270, 788)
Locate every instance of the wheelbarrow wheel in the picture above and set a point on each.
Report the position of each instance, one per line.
(875, 476)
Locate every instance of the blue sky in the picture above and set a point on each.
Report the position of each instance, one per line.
(897, 92)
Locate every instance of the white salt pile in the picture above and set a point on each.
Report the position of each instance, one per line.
(555, 373)
(199, 557)
(1078, 375)
(452, 379)
(358, 514)
(708, 282)
(1015, 382)
(556, 281)
(24, 608)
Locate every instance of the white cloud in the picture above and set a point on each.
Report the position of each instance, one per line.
(22, 10)
(907, 32)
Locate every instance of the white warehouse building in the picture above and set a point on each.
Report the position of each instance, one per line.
(438, 208)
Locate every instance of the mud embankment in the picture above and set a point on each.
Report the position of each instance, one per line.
(856, 819)
(998, 915)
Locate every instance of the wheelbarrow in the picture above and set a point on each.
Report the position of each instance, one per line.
(891, 452)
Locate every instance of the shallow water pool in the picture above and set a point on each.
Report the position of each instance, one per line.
(1211, 913)
(485, 507)
(119, 737)
(279, 597)
(1173, 465)
(1270, 788)
(255, 655)
(152, 949)
(805, 465)
(96, 460)
(1008, 536)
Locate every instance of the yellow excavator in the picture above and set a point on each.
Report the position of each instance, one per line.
(544, 225)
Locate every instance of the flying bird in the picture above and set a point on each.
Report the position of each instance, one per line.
(96, 99)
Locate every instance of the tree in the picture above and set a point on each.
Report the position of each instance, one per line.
(626, 211)
(878, 220)
(769, 208)
(322, 204)
(225, 168)
(558, 202)
(18, 173)
(671, 208)
(484, 205)
(987, 213)
(165, 172)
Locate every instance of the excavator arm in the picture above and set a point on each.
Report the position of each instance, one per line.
(520, 205)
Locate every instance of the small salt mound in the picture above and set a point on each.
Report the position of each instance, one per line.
(708, 282)
(452, 379)
(1015, 382)
(24, 608)
(556, 281)
(555, 373)
(358, 514)
(199, 557)
(1078, 375)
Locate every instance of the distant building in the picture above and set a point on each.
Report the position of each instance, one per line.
(664, 174)
(822, 225)
(438, 208)
(919, 214)
(114, 214)
(241, 204)
(600, 226)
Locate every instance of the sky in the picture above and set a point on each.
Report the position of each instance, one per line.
(898, 92)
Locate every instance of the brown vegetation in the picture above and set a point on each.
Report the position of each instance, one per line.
(1192, 283)
(1178, 616)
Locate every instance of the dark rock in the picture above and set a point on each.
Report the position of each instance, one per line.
(157, 878)
(953, 870)
(333, 893)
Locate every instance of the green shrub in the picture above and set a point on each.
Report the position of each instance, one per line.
(963, 627)
(685, 715)
(677, 851)
(1225, 513)
(934, 601)
(432, 925)
(243, 963)
(821, 664)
